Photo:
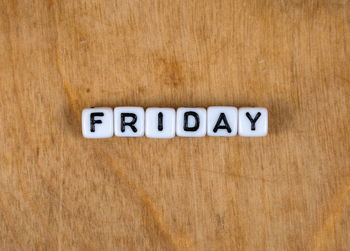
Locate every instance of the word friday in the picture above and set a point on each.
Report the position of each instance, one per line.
(159, 122)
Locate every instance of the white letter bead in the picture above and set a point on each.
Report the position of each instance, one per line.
(252, 121)
(97, 122)
(222, 121)
(191, 122)
(160, 122)
(129, 121)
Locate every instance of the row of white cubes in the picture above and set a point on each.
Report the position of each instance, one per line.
(159, 122)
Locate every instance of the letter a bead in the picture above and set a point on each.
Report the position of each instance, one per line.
(222, 121)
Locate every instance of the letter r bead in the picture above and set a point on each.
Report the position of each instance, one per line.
(129, 121)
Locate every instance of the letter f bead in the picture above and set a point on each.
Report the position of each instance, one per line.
(97, 122)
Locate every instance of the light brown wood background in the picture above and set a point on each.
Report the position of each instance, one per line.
(287, 191)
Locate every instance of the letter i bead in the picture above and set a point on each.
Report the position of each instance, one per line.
(160, 122)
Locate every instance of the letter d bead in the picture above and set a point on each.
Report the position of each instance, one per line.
(191, 122)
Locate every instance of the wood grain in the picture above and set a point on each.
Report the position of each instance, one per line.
(287, 191)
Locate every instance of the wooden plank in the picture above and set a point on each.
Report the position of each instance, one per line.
(287, 191)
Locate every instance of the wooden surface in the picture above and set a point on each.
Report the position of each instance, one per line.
(287, 191)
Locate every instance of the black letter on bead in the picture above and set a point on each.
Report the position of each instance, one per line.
(160, 121)
(196, 125)
(131, 124)
(226, 126)
(253, 121)
(93, 121)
